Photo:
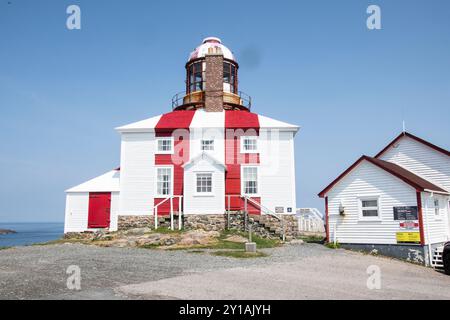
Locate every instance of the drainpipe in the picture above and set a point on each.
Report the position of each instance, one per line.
(428, 230)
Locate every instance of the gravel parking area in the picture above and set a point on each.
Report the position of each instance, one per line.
(306, 271)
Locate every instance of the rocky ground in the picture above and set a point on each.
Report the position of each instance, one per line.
(162, 238)
(7, 231)
(294, 271)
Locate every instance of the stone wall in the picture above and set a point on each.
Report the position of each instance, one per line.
(263, 225)
(130, 222)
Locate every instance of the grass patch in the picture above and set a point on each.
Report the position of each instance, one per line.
(166, 230)
(313, 239)
(60, 241)
(239, 254)
(150, 246)
(260, 242)
(197, 251)
(333, 245)
(4, 248)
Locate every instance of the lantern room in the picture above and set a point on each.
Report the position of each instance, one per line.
(211, 70)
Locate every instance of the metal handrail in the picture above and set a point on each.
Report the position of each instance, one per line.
(269, 212)
(155, 211)
(264, 209)
(179, 99)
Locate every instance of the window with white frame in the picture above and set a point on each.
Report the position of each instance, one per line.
(207, 145)
(165, 145)
(437, 207)
(250, 180)
(204, 182)
(369, 208)
(164, 181)
(249, 144)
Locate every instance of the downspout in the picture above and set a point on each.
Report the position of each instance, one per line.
(428, 230)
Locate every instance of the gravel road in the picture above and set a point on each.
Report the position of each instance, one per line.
(306, 271)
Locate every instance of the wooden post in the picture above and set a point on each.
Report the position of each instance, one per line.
(245, 213)
(179, 213)
(171, 213)
(228, 213)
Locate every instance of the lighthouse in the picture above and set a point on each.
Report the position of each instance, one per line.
(209, 158)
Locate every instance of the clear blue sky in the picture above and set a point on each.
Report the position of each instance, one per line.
(312, 63)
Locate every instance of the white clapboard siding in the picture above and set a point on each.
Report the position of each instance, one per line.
(277, 169)
(424, 161)
(207, 126)
(115, 198)
(76, 216)
(77, 212)
(436, 226)
(137, 178)
(367, 180)
(200, 204)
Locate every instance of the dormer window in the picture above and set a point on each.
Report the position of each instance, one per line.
(207, 145)
(164, 145)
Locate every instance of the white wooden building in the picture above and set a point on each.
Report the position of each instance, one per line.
(205, 157)
(397, 202)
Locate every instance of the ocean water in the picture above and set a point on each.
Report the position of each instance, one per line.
(30, 233)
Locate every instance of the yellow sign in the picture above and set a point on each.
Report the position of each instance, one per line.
(408, 237)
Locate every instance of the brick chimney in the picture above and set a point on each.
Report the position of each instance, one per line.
(214, 80)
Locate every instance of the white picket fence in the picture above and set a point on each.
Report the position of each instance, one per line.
(310, 220)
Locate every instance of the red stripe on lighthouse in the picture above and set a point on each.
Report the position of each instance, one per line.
(237, 124)
(169, 126)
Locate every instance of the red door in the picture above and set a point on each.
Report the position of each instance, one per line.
(99, 209)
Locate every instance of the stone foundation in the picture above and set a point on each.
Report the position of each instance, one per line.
(130, 222)
(412, 253)
(263, 225)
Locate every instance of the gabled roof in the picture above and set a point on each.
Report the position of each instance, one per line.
(266, 122)
(147, 124)
(205, 156)
(407, 176)
(108, 182)
(409, 135)
(191, 119)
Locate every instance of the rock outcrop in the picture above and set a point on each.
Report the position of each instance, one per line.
(7, 231)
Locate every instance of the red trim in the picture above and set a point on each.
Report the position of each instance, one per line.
(236, 119)
(342, 175)
(237, 123)
(166, 127)
(406, 134)
(420, 210)
(175, 120)
(327, 225)
(408, 177)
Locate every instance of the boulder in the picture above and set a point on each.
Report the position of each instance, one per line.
(7, 231)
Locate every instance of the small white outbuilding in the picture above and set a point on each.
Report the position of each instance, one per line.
(93, 204)
(397, 203)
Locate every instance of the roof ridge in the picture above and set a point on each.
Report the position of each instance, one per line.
(416, 138)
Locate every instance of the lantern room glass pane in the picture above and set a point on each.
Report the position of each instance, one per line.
(195, 77)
